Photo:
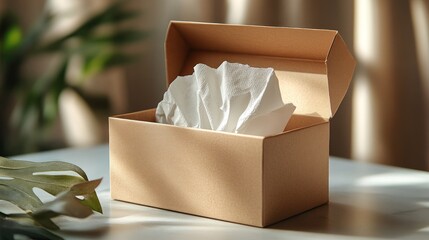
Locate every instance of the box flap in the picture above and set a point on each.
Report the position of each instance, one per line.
(314, 67)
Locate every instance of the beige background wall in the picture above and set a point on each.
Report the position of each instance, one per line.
(384, 117)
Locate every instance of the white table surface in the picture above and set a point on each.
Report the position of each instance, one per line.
(367, 201)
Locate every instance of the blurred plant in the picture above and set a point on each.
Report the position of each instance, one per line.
(32, 101)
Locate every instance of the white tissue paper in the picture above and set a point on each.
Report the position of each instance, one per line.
(233, 98)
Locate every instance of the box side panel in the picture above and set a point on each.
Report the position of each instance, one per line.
(258, 40)
(198, 172)
(145, 115)
(176, 50)
(297, 122)
(296, 172)
(341, 65)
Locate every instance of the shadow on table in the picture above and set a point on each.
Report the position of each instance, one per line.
(358, 220)
(89, 233)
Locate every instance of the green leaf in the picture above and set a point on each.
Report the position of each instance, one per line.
(10, 34)
(68, 204)
(20, 177)
(12, 38)
(37, 105)
(32, 38)
(119, 59)
(27, 219)
(95, 63)
(10, 228)
(118, 37)
(113, 14)
(75, 195)
(103, 60)
(50, 107)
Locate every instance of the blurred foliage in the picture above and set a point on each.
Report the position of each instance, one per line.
(29, 104)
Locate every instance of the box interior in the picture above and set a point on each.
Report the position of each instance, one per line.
(314, 67)
(298, 56)
(296, 74)
(296, 122)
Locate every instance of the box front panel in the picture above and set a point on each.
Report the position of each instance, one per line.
(296, 172)
(204, 173)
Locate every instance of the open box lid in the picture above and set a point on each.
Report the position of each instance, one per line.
(314, 67)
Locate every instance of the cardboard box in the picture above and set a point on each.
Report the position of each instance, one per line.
(245, 179)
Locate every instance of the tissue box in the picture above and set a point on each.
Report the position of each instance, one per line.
(244, 179)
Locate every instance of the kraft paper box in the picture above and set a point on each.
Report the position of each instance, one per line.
(245, 179)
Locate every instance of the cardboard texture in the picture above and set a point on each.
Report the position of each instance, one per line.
(239, 178)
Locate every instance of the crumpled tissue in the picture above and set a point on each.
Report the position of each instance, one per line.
(233, 98)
